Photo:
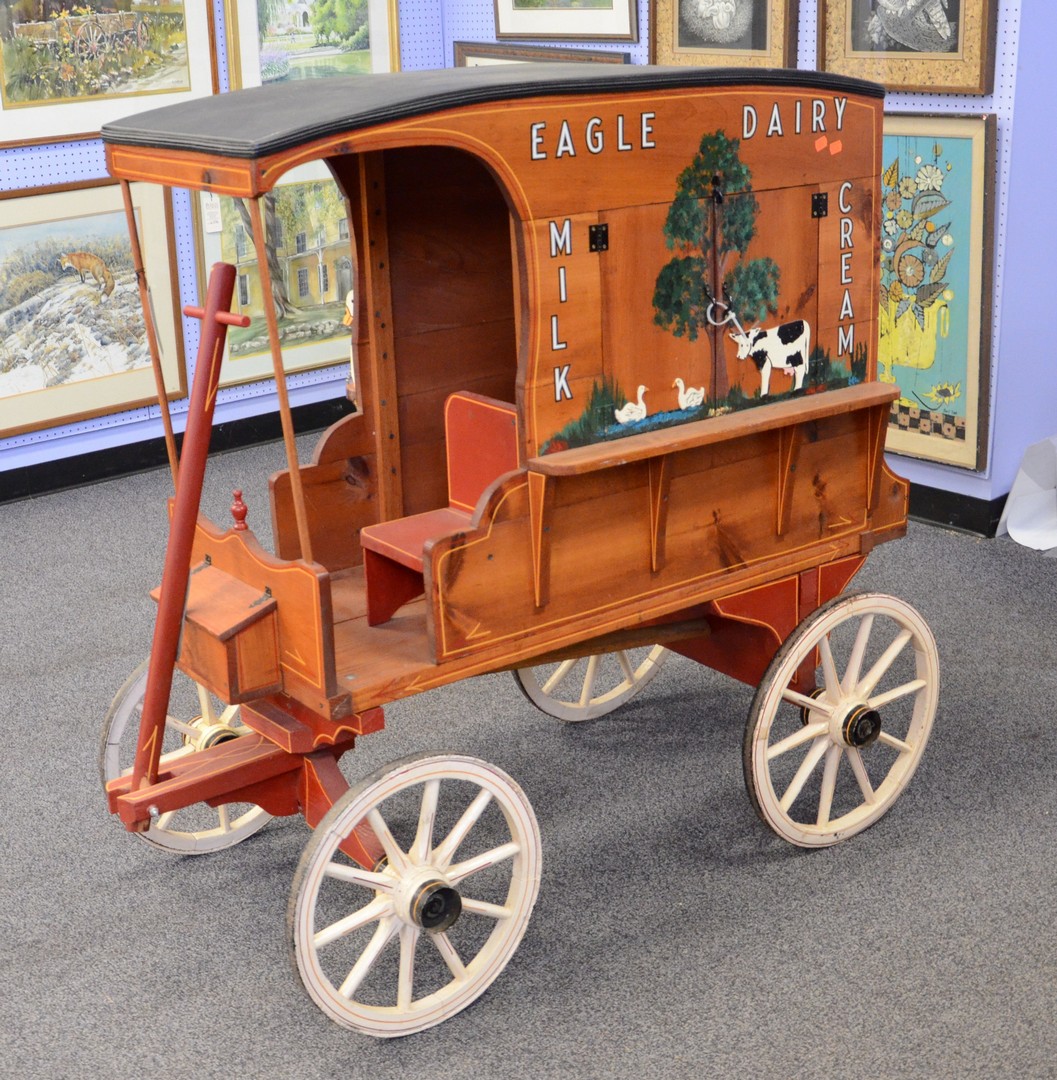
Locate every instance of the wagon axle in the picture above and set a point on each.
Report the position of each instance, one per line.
(861, 726)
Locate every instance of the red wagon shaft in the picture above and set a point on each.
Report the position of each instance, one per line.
(614, 397)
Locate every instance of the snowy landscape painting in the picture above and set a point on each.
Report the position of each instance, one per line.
(73, 341)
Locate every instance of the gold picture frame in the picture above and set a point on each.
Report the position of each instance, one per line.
(73, 344)
(482, 53)
(739, 33)
(936, 277)
(289, 47)
(573, 20)
(927, 48)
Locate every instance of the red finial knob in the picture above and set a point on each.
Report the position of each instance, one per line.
(239, 510)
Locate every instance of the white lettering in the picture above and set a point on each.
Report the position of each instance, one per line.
(565, 142)
(647, 131)
(563, 292)
(846, 340)
(818, 115)
(749, 121)
(622, 143)
(775, 126)
(840, 104)
(842, 202)
(593, 134)
(561, 242)
(845, 268)
(796, 122)
(846, 311)
(556, 344)
(846, 225)
(561, 384)
(536, 138)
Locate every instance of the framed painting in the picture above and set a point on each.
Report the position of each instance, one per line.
(589, 20)
(935, 303)
(73, 344)
(66, 74)
(932, 46)
(481, 54)
(279, 40)
(723, 33)
(310, 263)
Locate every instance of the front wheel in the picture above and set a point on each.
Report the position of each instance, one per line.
(195, 720)
(397, 947)
(823, 765)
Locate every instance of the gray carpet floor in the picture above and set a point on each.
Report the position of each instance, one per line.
(674, 936)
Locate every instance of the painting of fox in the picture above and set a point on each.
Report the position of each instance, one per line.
(84, 262)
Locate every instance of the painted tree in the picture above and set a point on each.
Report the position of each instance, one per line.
(709, 226)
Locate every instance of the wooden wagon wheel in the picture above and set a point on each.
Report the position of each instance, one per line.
(585, 687)
(91, 41)
(823, 766)
(195, 721)
(402, 946)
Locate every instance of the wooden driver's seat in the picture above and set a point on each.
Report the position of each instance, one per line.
(481, 436)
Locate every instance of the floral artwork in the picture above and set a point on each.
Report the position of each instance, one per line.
(930, 324)
(923, 26)
(748, 33)
(723, 24)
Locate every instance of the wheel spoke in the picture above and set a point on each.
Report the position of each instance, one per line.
(225, 820)
(463, 870)
(405, 987)
(894, 743)
(807, 767)
(205, 704)
(794, 697)
(798, 738)
(163, 821)
(896, 693)
(625, 665)
(558, 674)
(862, 636)
(385, 933)
(379, 908)
(859, 768)
(482, 907)
(829, 785)
(829, 668)
(445, 851)
(393, 851)
(356, 875)
(182, 726)
(451, 957)
(427, 814)
(589, 680)
(887, 658)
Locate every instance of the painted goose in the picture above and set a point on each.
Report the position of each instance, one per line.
(634, 410)
(689, 398)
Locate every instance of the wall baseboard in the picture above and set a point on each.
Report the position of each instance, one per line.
(979, 516)
(82, 469)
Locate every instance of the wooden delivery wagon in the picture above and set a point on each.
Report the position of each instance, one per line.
(614, 345)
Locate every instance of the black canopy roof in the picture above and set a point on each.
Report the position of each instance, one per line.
(264, 120)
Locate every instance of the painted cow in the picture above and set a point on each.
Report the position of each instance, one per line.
(786, 347)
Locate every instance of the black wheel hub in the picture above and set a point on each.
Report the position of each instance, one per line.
(861, 726)
(436, 906)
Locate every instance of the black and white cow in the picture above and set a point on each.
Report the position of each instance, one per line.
(785, 348)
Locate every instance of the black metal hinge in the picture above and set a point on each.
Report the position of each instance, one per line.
(598, 237)
(820, 204)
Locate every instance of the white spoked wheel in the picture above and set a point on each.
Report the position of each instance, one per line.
(821, 767)
(401, 947)
(195, 720)
(589, 686)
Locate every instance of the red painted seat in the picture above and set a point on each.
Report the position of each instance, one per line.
(481, 438)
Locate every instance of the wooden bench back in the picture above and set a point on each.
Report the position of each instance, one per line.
(482, 443)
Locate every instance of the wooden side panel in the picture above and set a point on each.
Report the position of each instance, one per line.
(303, 612)
(340, 489)
(602, 570)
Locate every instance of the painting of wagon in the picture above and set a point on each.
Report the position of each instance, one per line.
(91, 35)
(556, 462)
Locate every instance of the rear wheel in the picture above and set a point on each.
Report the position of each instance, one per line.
(195, 720)
(583, 688)
(823, 766)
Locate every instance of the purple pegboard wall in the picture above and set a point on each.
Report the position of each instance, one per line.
(428, 29)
